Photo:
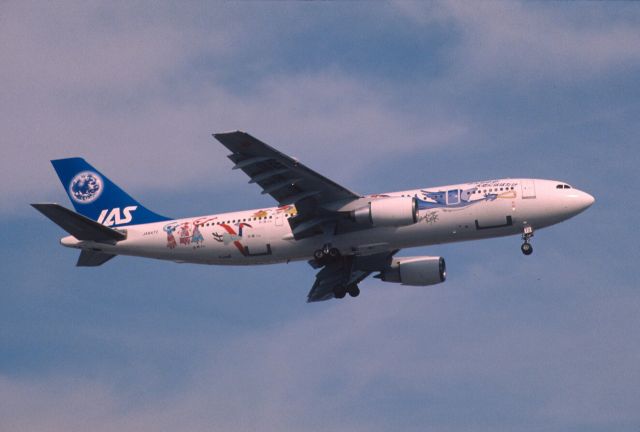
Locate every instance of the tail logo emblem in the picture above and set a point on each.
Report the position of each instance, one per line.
(85, 187)
(116, 216)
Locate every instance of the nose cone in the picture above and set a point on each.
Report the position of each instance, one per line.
(587, 200)
(578, 201)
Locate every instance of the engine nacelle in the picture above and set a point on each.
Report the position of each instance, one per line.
(419, 271)
(393, 211)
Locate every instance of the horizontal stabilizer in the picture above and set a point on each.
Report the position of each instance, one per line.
(89, 258)
(79, 226)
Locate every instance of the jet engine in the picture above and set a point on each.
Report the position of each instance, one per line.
(393, 211)
(419, 271)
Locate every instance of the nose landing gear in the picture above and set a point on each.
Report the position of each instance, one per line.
(526, 247)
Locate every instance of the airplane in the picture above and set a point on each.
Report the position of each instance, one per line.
(345, 235)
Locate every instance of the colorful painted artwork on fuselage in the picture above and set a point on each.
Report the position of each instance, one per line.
(171, 239)
(230, 236)
(188, 234)
(460, 198)
(260, 214)
(288, 209)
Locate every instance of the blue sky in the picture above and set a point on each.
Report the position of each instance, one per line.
(377, 96)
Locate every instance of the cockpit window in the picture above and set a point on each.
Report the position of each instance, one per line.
(563, 186)
(567, 187)
(559, 187)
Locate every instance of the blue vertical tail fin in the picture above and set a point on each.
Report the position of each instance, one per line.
(95, 196)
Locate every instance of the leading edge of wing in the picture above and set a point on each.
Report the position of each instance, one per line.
(281, 176)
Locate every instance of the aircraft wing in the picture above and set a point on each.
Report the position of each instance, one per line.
(286, 180)
(279, 175)
(345, 271)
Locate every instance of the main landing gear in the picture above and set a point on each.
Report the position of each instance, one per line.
(526, 247)
(326, 254)
(352, 290)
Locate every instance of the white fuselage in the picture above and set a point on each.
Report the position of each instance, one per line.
(452, 213)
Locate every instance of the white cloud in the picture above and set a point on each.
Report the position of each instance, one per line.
(118, 84)
(105, 84)
(533, 41)
(89, 47)
(461, 347)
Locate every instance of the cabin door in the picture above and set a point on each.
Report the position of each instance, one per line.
(528, 189)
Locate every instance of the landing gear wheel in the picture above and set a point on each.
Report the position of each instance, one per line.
(526, 248)
(340, 293)
(326, 254)
(353, 290)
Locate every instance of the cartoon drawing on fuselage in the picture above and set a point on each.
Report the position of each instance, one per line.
(196, 235)
(229, 235)
(451, 198)
(171, 239)
(346, 235)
